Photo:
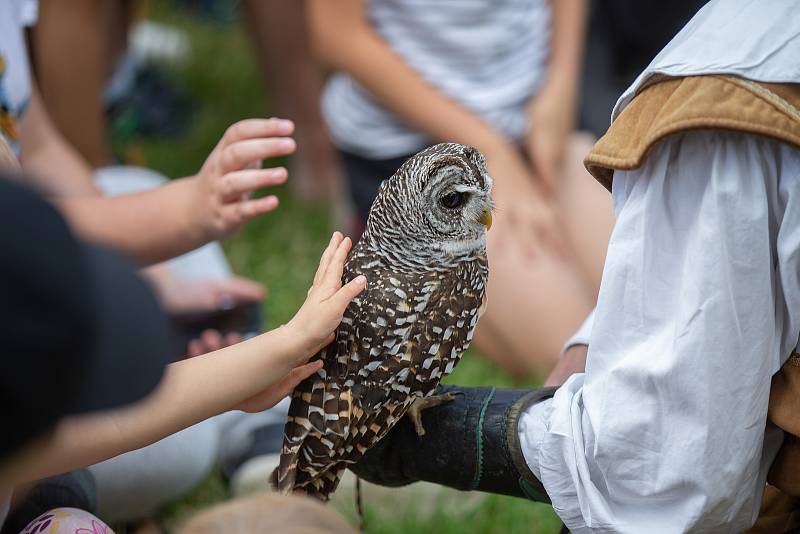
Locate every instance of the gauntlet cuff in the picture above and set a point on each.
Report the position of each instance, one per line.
(471, 443)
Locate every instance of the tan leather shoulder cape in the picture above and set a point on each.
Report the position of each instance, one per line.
(677, 105)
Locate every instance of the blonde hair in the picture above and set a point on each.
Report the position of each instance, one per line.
(268, 512)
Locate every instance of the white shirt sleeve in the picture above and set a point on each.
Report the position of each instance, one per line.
(666, 431)
(581, 336)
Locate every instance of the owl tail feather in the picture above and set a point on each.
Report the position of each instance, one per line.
(320, 487)
(283, 477)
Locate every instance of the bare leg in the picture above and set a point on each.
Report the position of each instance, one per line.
(70, 38)
(587, 210)
(535, 304)
(294, 82)
(415, 410)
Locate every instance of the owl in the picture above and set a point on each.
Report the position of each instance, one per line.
(424, 256)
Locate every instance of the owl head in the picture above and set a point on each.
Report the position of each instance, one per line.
(437, 204)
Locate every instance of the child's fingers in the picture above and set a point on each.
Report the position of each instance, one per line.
(241, 212)
(236, 290)
(253, 128)
(212, 340)
(348, 292)
(233, 338)
(333, 275)
(237, 183)
(336, 238)
(330, 338)
(238, 155)
(195, 348)
(301, 372)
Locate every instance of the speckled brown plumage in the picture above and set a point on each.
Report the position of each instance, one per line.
(425, 262)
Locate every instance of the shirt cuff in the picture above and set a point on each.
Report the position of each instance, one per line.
(581, 337)
(531, 430)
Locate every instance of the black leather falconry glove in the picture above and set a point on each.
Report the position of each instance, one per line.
(470, 443)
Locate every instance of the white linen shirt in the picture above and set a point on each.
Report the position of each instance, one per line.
(699, 306)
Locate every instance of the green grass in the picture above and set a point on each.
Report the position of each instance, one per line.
(282, 249)
(495, 514)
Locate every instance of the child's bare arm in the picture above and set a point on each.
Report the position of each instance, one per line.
(252, 375)
(50, 162)
(161, 223)
(552, 110)
(158, 224)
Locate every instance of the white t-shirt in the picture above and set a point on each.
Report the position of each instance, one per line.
(15, 83)
(487, 55)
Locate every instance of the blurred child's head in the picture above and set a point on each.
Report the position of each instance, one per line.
(268, 512)
(80, 331)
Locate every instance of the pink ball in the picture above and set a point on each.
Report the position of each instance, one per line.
(67, 521)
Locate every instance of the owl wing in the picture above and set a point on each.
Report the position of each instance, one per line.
(321, 409)
(396, 324)
(427, 342)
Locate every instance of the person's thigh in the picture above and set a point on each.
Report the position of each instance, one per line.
(587, 211)
(535, 304)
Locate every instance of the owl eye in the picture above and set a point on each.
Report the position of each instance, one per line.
(453, 200)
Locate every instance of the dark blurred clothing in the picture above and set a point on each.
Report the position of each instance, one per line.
(69, 490)
(364, 177)
(624, 36)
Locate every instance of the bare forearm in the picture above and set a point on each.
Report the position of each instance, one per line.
(70, 37)
(50, 162)
(568, 24)
(198, 388)
(150, 226)
(191, 391)
(572, 361)
(253, 375)
(58, 170)
(344, 40)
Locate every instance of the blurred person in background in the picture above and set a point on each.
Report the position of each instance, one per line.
(503, 77)
(293, 86)
(93, 338)
(623, 37)
(92, 37)
(152, 221)
(688, 403)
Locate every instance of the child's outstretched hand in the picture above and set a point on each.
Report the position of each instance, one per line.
(232, 172)
(315, 322)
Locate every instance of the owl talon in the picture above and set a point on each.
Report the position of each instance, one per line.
(415, 410)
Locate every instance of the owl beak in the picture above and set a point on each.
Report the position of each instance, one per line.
(486, 217)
